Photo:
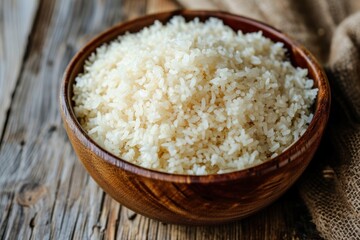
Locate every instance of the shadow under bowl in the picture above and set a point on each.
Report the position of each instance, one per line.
(189, 199)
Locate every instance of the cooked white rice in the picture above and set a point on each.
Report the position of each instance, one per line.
(193, 98)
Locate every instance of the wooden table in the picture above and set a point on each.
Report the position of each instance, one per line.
(45, 193)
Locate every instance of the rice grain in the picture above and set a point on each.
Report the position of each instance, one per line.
(193, 98)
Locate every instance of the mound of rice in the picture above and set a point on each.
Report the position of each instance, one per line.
(193, 98)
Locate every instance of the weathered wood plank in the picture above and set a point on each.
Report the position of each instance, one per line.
(45, 193)
(35, 153)
(154, 6)
(16, 20)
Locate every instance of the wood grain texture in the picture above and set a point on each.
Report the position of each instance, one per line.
(45, 193)
(195, 200)
(155, 6)
(16, 21)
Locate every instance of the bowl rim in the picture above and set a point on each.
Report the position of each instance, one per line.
(319, 120)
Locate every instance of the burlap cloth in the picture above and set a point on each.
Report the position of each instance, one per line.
(331, 30)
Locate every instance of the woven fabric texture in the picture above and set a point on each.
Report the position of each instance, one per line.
(331, 188)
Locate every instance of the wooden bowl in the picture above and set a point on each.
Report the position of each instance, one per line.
(188, 199)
